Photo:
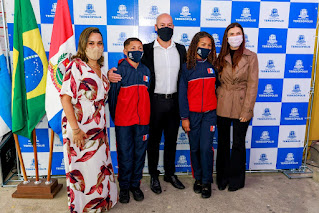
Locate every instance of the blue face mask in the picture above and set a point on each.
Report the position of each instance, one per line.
(203, 52)
(135, 56)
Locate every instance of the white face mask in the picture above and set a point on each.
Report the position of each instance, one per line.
(235, 41)
(94, 53)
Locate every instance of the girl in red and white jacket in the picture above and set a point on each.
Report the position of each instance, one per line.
(197, 103)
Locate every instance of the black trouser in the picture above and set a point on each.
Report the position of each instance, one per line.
(231, 167)
(164, 116)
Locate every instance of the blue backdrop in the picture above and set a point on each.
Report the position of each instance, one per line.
(281, 32)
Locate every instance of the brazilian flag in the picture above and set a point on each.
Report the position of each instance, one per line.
(30, 67)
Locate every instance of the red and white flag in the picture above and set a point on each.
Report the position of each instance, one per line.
(61, 49)
(145, 78)
(145, 137)
(210, 70)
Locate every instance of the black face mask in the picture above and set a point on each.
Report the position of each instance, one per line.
(135, 56)
(165, 33)
(203, 52)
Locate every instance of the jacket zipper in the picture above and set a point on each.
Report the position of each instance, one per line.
(138, 100)
(202, 92)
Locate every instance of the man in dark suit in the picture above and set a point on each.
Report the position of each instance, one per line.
(164, 58)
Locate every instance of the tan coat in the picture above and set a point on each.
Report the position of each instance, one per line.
(237, 94)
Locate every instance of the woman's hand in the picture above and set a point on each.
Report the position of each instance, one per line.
(79, 137)
(113, 77)
(186, 125)
(242, 119)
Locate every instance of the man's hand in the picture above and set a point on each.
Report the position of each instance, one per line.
(186, 125)
(113, 77)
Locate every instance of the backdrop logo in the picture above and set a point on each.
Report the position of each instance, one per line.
(153, 12)
(263, 160)
(122, 37)
(303, 17)
(58, 144)
(215, 15)
(185, 15)
(266, 115)
(62, 166)
(122, 10)
(272, 42)
(270, 67)
(248, 44)
(292, 138)
(216, 12)
(265, 138)
(29, 144)
(294, 115)
(90, 9)
(182, 161)
(245, 16)
(53, 9)
(268, 92)
(289, 159)
(274, 16)
(32, 165)
(301, 42)
(298, 67)
(270, 64)
(90, 12)
(216, 40)
(182, 139)
(122, 13)
(185, 40)
(185, 12)
(296, 91)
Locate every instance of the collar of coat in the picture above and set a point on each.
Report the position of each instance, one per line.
(242, 61)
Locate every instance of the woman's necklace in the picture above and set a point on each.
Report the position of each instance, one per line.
(97, 69)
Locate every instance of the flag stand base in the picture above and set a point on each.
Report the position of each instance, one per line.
(302, 172)
(40, 190)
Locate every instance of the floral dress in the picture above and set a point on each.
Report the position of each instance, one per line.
(90, 179)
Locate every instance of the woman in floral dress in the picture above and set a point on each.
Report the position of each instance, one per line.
(89, 173)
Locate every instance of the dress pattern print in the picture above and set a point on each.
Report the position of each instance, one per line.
(89, 173)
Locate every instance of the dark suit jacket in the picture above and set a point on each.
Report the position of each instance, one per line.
(148, 60)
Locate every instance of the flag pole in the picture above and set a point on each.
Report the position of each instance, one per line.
(50, 158)
(20, 159)
(34, 137)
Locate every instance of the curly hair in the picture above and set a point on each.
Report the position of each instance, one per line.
(83, 40)
(192, 50)
(226, 49)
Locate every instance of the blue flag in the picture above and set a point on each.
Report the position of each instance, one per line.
(5, 96)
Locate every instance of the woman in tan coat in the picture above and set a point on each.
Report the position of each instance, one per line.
(238, 76)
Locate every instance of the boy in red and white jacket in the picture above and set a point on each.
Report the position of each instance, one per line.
(129, 104)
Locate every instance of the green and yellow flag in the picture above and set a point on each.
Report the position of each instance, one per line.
(29, 71)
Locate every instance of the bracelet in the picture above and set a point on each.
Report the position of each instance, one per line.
(77, 131)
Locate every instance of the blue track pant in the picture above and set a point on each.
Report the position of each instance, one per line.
(131, 149)
(203, 126)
